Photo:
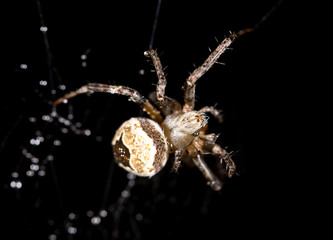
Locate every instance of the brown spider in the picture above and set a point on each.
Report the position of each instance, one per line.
(142, 146)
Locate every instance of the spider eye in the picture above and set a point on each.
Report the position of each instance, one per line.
(195, 134)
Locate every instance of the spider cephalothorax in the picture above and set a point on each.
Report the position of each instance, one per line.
(142, 146)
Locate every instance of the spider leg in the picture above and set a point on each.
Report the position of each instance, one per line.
(160, 87)
(189, 86)
(169, 106)
(263, 19)
(178, 158)
(217, 150)
(133, 95)
(212, 180)
(205, 144)
(212, 110)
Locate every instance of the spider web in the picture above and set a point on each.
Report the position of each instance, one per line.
(58, 174)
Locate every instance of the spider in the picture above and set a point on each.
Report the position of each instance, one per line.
(142, 146)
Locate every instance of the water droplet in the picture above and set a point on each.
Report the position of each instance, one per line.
(84, 64)
(72, 230)
(125, 194)
(67, 122)
(41, 173)
(34, 160)
(32, 119)
(46, 117)
(61, 119)
(50, 157)
(71, 216)
(130, 176)
(54, 114)
(34, 167)
(131, 183)
(52, 237)
(35, 142)
(15, 184)
(139, 217)
(103, 213)
(23, 66)
(18, 184)
(90, 213)
(43, 29)
(141, 72)
(96, 220)
(56, 142)
(14, 175)
(30, 173)
(64, 130)
(87, 132)
(62, 87)
(42, 82)
(77, 132)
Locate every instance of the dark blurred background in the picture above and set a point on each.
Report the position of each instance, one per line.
(58, 183)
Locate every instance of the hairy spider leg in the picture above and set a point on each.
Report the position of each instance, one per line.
(263, 19)
(169, 106)
(162, 82)
(178, 158)
(212, 179)
(212, 110)
(189, 86)
(205, 144)
(133, 95)
(217, 150)
(166, 104)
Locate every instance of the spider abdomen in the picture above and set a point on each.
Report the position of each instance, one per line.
(140, 147)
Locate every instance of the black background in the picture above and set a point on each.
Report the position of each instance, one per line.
(255, 88)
